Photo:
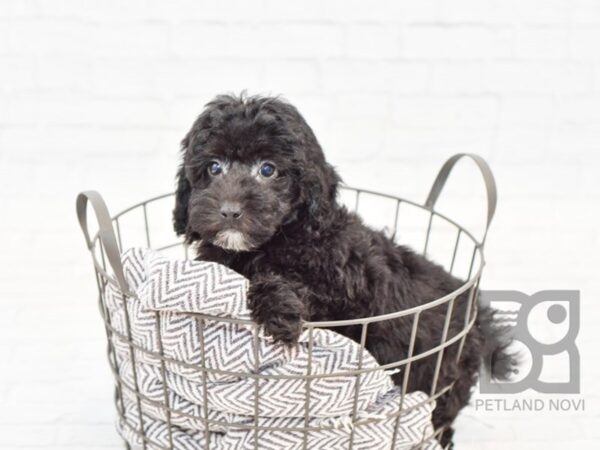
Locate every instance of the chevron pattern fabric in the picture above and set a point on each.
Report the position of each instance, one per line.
(180, 309)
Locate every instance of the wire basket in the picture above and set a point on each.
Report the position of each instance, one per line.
(438, 236)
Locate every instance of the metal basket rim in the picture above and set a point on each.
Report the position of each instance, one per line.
(465, 286)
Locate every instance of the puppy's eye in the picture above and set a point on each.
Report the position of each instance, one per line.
(215, 168)
(267, 170)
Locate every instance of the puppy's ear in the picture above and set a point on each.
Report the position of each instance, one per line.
(322, 182)
(182, 198)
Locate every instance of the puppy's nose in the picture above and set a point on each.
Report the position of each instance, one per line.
(231, 210)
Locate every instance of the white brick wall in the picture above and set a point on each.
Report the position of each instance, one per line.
(98, 94)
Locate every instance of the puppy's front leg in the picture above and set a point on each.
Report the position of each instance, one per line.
(279, 305)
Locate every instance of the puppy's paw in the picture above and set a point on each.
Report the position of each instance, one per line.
(284, 328)
(278, 308)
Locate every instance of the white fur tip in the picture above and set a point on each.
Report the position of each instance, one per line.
(231, 240)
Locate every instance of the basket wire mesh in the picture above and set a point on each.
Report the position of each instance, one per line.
(106, 245)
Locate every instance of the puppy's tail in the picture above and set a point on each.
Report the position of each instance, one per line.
(498, 359)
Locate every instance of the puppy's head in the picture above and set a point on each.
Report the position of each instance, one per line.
(250, 167)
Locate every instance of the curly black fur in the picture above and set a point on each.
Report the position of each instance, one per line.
(307, 257)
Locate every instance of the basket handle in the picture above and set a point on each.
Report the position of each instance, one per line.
(488, 178)
(106, 232)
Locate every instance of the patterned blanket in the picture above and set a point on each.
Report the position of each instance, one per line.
(162, 322)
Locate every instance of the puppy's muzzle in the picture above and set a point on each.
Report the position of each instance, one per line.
(231, 211)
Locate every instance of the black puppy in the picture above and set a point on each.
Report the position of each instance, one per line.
(256, 194)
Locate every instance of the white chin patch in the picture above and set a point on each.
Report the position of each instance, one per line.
(231, 240)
